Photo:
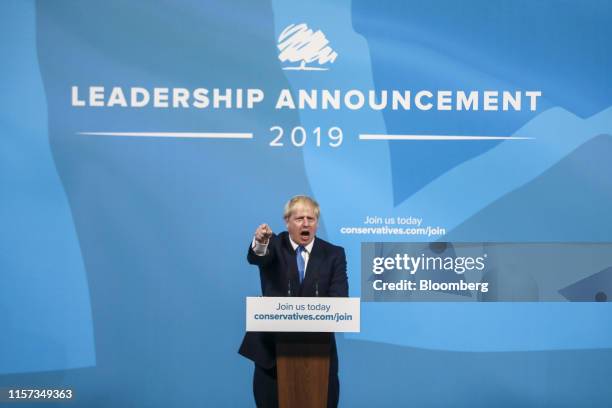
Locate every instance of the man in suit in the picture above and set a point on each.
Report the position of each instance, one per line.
(293, 263)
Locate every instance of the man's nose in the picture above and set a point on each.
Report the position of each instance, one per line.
(306, 222)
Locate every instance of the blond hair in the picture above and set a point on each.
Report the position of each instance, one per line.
(297, 200)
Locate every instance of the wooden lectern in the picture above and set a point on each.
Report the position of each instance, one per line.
(302, 369)
(303, 346)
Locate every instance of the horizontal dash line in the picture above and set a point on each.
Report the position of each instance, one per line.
(437, 137)
(192, 135)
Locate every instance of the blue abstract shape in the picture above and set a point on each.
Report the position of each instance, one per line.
(569, 202)
(44, 298)
(597, 287)
(423, 45)
(399, 376)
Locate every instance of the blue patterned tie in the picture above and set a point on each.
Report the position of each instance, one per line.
(300, 262)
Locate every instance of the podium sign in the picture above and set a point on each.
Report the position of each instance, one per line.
(303, 314)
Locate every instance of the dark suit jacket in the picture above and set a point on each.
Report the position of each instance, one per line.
(279, 275)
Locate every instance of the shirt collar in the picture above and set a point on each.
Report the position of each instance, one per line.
(307, 247)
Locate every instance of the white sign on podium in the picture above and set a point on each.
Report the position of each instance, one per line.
(303, 314)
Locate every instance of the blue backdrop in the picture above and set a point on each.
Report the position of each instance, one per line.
(122, 258)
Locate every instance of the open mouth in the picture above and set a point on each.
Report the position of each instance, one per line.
(305, 234)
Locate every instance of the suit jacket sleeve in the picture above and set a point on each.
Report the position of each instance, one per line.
(262, 260)
(338, 286)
